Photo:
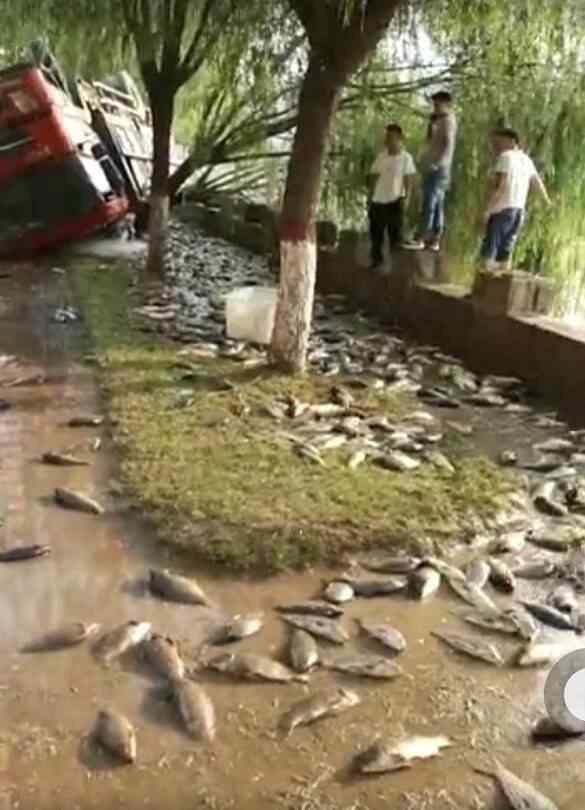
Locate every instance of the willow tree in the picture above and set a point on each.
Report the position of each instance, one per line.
(340, 36)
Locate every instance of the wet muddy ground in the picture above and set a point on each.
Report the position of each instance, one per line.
(48, 701)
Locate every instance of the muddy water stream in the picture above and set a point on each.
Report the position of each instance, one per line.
(48, 702)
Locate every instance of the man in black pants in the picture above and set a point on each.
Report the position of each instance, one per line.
(389, 187)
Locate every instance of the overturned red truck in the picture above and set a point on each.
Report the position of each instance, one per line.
(74, 155)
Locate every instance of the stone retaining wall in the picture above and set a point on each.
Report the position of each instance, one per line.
(501, 327)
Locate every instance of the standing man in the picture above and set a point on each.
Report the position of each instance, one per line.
(389, 188)
(513, 175)
(436, 162)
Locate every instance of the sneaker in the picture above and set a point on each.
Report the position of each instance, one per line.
(435, 247)
(413, 244)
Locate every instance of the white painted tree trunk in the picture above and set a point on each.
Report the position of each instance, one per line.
(294, 310)
(157, 231)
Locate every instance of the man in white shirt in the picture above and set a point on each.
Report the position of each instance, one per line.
(389, 188)
(513, 175)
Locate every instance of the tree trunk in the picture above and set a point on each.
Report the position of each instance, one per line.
(318, 99)
(162, 107)
(181, 174)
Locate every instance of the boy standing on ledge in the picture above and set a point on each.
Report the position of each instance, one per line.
(389, 188)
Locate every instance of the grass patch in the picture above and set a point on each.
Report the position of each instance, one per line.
(217, 481)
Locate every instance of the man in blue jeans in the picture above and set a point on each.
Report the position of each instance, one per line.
(513, 175)
(436, 162)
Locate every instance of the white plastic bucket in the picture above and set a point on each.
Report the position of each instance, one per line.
(250, 313)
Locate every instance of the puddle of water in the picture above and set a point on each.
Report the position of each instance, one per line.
(49, 701)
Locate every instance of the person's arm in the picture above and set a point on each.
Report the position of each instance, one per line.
(495, 189)
(372, 179)
(409, 175)
(538, 183)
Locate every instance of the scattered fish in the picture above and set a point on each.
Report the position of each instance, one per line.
(318, 626)
(520, 795)
(122, 639)
(254, 667)
(501, 577)
(195, 708)
(63, 460)
(116, 734)
(356, 459)
(439, 460)
(552, 542)
(508, 458)
(312, 608)
(390, 564)
(238, 628)
(18, 553)
(390, 757)
(67, 636)
(341, 396)
(383, 632)
(365, 665)
(368, 588)
(540, 653)
(317, 707)
(477, 573)
(544, 500)
(527, 626)
(551, 616)
(545, 728)
(310, 453)
(176, 588)
(488, 621)
(508, 543)
(482, 650)
(303, 651)
(398, 461)
(424, 582)
(339, 592)
(555, 446)
(162, 654)
(537, 569)
(473, 595)
(86, 421)
(71, 499)
(564, 599)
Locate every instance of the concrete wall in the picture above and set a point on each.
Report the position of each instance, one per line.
(498, 329)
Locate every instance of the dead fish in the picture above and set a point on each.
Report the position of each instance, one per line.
(520, 795)
(545, 728)
(401, 564)
(551, 616)
(473, 595)
(325, 704)
(312, 608)
(555, 446)
(484, 400)
(463, 430)
(309, 452)
(36, 378)
(195, 708)
(176, 588)
(162, 654)
(551, 542)
(542, 465)
(59, 638)
(294, 407)
(327, 409)
(339, 592)
(254, 667)
(398, 461)
(517, 408)
(356, 459)
(86, 421)
(489, 621)
(501, 577)
(63, 460)
(384, 633)
(122, 639)
(330, 441)
(18, 553)
(474, 648)
(341, 396)
(424, 582)
(303, 651)
(527, 627)
(116, 734)
(390, 757)
(318, 626)
(238, 628)
(477, 573)
(508, 458)
(368, 666)
(71, 499)
(538, 569)
(368, 588)
(544, 500)
(540, 653)
(508, 543)
(564, 599)
(439, 460)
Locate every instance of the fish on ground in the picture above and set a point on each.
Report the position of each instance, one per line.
(389, 564)
(162, 654)
(116, 734)
(520, 794)
(86, 421)
(507, 543)
(564, 599)
(303, 652)
(364, 665)
(555, 446)
(551, 616)
(67, 636)
(544, 500)
(71, 499)
(325, 704)
(312, 607)
(489, 621)
(63, 460)
(249, 666)
(383, 632)
(318, 626)
(473, 595)
(474, 648)
(238, 628)
(368, 588)
(195, 709)
(536, 569)
(545, 728)
(501, 577)
(395, 756)
(397, 461)
(176, 588)
(339, 592)
(477, 573)
(356, 459)
(19, 553)
(424, 582)
(122, 639)
(540, 653)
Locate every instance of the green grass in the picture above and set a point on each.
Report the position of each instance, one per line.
(217, 481)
